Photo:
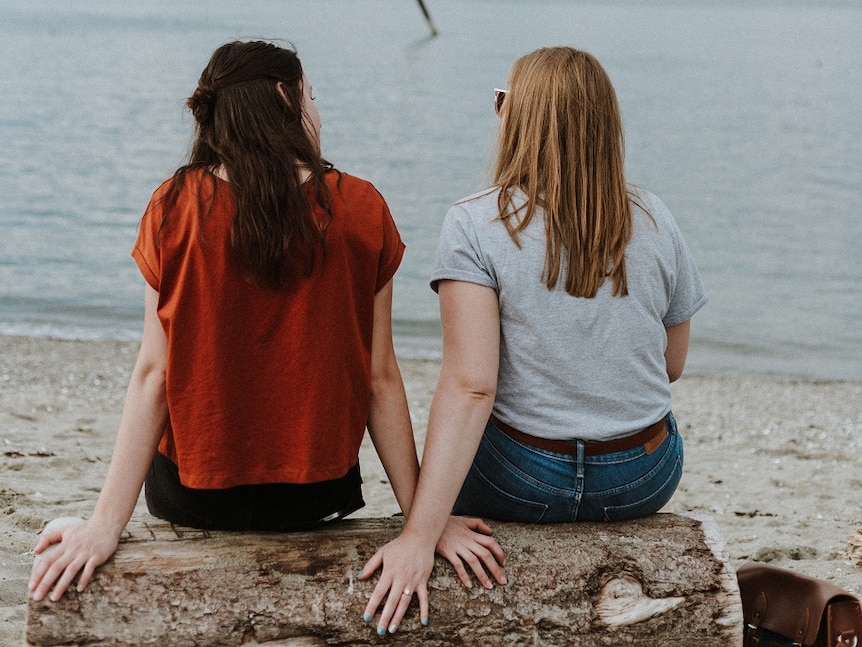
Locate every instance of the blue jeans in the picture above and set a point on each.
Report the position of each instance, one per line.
(513, 481)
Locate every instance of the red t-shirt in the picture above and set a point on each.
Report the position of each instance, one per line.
(265, 386)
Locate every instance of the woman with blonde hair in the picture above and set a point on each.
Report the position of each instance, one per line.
(565, 298)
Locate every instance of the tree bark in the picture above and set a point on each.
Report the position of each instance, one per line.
(663, 580)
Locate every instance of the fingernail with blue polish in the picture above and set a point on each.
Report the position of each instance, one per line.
(360, 573)
(381, 631)
(366, 617)
(424, 622)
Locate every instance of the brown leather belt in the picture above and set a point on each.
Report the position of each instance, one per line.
(650, 438)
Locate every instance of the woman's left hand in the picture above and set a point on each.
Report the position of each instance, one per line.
(467, 541)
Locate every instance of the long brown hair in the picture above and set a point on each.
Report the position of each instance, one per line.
(245, 126)
(561, 143)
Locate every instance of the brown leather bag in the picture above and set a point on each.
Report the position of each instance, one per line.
(782, 607)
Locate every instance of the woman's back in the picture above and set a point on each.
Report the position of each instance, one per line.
(590, 367)
(265, 385)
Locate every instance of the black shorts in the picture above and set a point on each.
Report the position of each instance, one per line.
(272, 506)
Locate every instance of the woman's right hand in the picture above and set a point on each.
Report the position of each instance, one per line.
(69, 546)
(406, 564)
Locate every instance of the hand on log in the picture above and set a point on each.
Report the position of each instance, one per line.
(407, 562)
(69, 546)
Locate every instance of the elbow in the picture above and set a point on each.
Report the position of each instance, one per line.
(151, 369)
(151, 378)
(384, 377)
(482, 392)
(676, 350)
(674, 366)
(478, 392)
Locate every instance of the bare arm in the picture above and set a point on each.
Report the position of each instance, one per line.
(389, 424)
(677, 349)
(459, 411)
(80, 548)
(462, 401)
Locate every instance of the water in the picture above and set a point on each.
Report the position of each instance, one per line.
(744, 117)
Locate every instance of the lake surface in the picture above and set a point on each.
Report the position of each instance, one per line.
(743, 117)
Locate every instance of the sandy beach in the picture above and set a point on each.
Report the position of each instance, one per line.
(775, 462)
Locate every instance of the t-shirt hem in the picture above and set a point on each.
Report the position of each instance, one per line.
(389, 271)
(455, 275)
(688, 314)
(299, 478)
(148, 274)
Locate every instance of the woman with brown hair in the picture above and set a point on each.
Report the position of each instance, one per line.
(267, 343)
(565, 299)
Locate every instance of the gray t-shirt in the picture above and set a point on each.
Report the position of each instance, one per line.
(572, 367)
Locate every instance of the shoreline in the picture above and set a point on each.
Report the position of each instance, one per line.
(773, 461)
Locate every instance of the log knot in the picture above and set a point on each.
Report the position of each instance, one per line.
(621, 601)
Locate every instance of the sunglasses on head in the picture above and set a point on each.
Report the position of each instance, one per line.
(499, 96)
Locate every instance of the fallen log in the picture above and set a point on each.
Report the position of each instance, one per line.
(663, 580)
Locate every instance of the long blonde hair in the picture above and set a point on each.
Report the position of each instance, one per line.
(561, 143)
